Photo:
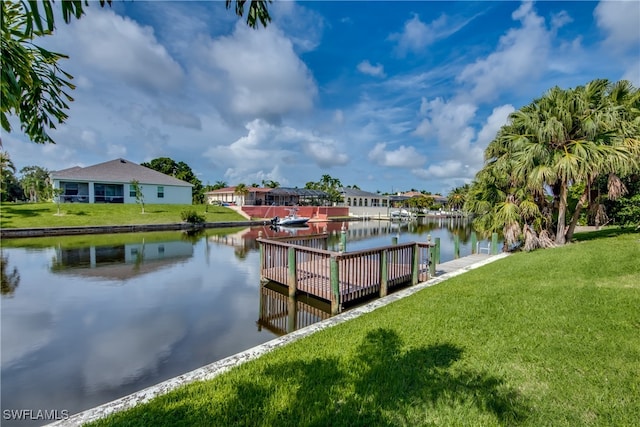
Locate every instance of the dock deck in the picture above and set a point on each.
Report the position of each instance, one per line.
(303, 265)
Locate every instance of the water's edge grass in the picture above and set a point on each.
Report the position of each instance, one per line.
(542, 338)
(38, 215)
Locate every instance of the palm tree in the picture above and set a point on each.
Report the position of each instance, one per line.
(219, 184)
(6, 169)
(565, 138)
(241, 190)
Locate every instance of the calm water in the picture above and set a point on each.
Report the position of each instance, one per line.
(85, 322)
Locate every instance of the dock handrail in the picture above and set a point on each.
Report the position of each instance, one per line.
(343, 276)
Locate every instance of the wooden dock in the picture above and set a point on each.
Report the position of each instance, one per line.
(303, 264)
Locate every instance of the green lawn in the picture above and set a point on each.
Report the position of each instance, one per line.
(548, 338)
(35, 215)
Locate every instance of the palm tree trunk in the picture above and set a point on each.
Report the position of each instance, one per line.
(576, 213)
(562, 214)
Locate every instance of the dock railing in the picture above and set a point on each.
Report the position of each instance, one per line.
(343, 277)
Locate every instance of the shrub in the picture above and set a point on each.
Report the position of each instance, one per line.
(192, 217)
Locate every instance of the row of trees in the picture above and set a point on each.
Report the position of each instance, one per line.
(30, 183)
(557, 158)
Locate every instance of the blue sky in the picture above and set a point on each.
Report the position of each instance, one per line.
(386, 95)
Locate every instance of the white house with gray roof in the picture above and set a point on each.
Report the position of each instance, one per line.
(110, 182)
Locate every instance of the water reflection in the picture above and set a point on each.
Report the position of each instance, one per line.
(9, 276)
(282, 314)
(97, 317)
(120, 262)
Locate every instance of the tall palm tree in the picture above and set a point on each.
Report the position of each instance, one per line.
(569, 137)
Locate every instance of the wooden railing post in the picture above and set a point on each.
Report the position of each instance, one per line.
(494, 243)
(384, 277)
(474, 242)
(292, 314)
(456, 246)
(261, 254)
(437, 251)
(335, 286)
(432, 261)
(325, 242)
(292, 280)
(343, 238)
(415, 265)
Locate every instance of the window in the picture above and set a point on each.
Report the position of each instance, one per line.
(160, 192)
(132, 190)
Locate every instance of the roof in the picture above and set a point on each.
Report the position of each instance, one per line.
(118, 170)
(233, 189)
(278, 191)
(354, 192)
(303, 192)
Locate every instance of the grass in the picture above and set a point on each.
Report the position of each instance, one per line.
(548, 338)
(84, 240)
(36, 215)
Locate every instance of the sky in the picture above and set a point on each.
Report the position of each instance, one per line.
(388, 96)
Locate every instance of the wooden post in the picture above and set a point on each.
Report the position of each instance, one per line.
(335, 286)
(261, 246)
(494, 243)
(292, 314)
(325, 236)
(343, 238)
(456, 246)
(437, 251)
(474, 242)
(292, 280)
(415, 265)
(394, 240)
(384, 278)
(261, 309)
(432, 261)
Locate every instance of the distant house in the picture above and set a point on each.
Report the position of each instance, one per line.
(255, 196)
(354, 197)
(110, 182)
(228, 195)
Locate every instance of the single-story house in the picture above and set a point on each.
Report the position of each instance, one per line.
(110, 182)
(354, 197)
(255, 196)
(228, 195)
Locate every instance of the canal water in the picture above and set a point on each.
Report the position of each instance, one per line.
(89, 319)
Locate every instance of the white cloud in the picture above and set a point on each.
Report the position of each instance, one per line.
(520, 57)
(494, 122)
(366, 67)
(274, 145)
(619, 20)
(263, 76)
(402, 157)
(446, 169)
(448, 122)
(416, 35)
(325, 153)
(121, 48)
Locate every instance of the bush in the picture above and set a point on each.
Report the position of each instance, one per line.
(192, 217)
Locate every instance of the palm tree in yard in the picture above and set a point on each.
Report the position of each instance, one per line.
(241, 190)
(566, 138)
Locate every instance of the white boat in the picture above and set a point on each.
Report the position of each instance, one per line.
(290, 220)
(402, 213)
